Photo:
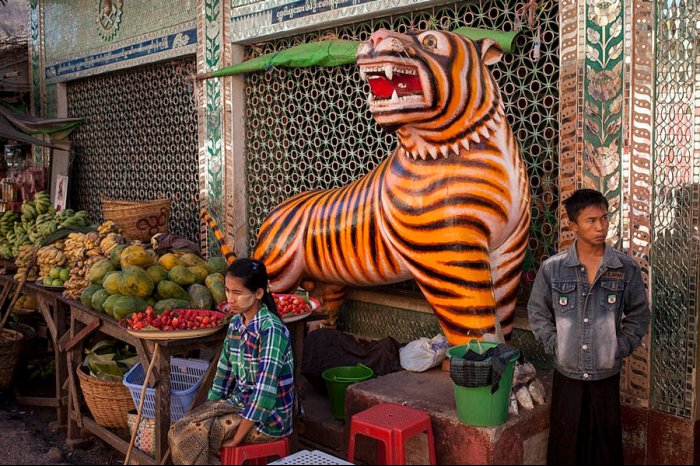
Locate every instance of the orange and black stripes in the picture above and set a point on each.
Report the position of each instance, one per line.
(449, 208)
(226, 250)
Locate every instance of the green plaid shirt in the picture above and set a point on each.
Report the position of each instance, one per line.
(256, 372)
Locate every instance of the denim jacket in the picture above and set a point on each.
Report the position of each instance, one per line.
(589, 328)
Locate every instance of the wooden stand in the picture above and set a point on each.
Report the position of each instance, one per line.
(84, 322)
(53, 311)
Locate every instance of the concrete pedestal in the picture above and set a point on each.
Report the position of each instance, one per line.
(521, 440)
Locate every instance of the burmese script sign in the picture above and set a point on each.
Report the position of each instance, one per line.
(275, 18)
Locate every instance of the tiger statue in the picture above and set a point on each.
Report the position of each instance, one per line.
(450, 207)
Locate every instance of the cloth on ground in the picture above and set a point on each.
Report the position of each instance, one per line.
(197, 437)
(326, 348)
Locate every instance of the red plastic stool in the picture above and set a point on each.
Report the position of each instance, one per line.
(391, 425)
(255, 453)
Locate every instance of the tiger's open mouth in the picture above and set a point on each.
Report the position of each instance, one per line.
(394, 86)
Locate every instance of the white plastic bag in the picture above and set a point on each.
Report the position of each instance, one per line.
(423, 354)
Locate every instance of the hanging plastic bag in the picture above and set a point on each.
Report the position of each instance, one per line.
(423, 354)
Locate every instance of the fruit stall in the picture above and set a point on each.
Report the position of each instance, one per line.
(134, 326)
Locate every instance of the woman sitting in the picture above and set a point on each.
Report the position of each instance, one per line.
(252, 397)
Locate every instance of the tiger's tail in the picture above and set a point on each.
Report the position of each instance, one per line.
(226, 250)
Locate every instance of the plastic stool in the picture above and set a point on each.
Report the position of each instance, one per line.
(391, 425)
(255, 453)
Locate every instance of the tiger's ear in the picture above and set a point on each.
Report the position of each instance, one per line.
(489, 50)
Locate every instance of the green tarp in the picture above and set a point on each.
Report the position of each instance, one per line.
(337, 52)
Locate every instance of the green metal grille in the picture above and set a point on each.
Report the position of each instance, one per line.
(676, 173)
(311, 129)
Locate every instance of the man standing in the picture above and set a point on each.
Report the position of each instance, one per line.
(589, 308)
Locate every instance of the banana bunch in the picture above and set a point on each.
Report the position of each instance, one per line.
(6, 251)
(79, 219)
(7, 223)
(18, 238)
(26, 302)
(26, 263)
(108, 227)
(29, 212)
(75, 249)
(42, 203)
(46, 224)
(51, 256)
(110, 241)
(78, 281)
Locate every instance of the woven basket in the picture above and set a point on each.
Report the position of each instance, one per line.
(11, 344)
(138, 219)
(108, 401)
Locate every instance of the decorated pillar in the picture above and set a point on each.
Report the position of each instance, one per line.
(606, 86)
(36, 70)
(214, 108)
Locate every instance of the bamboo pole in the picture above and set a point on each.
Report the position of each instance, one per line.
(140, 409)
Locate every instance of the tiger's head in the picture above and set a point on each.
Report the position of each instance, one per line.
(433, 88)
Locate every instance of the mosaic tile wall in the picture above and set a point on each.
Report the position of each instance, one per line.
(311, 129)
(75, 24)
(139, 141)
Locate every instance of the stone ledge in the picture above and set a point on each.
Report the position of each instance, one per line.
(521, 440)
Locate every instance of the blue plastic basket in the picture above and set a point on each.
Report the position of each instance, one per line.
(185, 378)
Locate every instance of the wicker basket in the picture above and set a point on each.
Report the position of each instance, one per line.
(138, 219)
(108, 401)
(11, 344)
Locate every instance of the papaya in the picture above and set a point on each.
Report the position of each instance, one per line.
(98, 300)
(190, 260)
(200, 273)
(214, 277)
(109, 304)
(86, 296)
(126, 305)
(167, 289)
(217, 265)
(181, 275)
(200, 296)
(151, 301)
(136, 282)
(112, 282)
(169, 261)
(98, 271)
(137, 255)
(170, 304)
(116, 253)
(157, 273)
(218, 292)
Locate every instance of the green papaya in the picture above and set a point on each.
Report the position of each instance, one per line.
(181, 275)
(218, 292)
(200, 273)
(112, 282)
(115, 254)
(167, 289)
(200, 296)
(158, 273)
(108, 305)
(214, 277)
(98, 271)
(150, 301)
(126, 305)
(136, 282)
(86, 296)
(217, 265)
(98, 300)
(190, 260)
(170, 304)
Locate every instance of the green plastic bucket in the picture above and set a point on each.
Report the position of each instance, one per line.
(338, 379)
(477, 406)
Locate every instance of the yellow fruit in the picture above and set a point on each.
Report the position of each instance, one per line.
(169, 261)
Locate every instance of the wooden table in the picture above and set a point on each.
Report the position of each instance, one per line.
(54, 312)
(84, 322)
